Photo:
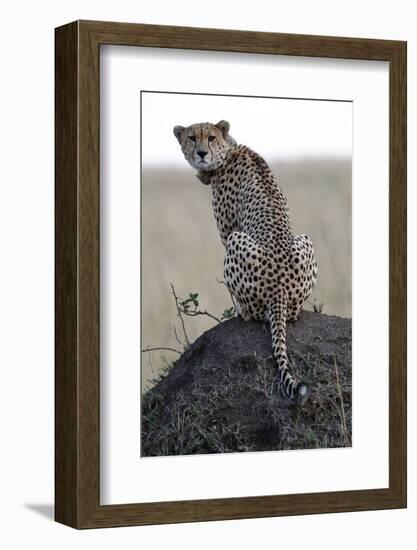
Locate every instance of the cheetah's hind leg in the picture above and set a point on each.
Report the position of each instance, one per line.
(304, 268)
(241, 274)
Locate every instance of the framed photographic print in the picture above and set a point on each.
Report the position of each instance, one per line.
(230, 274)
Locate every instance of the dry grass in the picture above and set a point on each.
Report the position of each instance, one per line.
(180, 244)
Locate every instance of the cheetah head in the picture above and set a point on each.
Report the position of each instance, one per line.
(205, 145)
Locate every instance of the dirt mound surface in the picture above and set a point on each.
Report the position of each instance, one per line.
(222, 395)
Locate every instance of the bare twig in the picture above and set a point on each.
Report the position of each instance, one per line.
(198, 312)
(151, 367)
(342, 407)
(231, 295)
(179, 314)
(177, 337)
(163, 349)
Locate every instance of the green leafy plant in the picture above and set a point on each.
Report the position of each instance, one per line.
(192, 299)
(190, 307)
(228, 313)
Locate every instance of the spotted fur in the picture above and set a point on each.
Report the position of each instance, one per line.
(269, 270)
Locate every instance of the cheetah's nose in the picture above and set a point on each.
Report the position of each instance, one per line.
(202, 154)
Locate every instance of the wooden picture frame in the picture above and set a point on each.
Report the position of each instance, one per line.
(77, 374)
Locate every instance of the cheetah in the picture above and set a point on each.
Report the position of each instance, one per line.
(269, 270)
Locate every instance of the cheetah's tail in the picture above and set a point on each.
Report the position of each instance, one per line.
(295, 391)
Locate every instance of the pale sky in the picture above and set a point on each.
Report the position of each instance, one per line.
(274, 128)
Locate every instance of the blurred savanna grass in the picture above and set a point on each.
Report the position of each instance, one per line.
(181, 245)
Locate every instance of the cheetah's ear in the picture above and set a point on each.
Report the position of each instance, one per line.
(224, 127)
(178, 130)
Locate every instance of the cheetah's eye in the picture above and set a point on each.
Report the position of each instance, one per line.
(212, 138)
(192, 138)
